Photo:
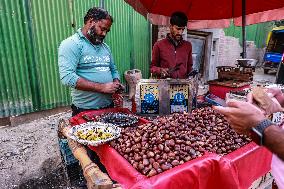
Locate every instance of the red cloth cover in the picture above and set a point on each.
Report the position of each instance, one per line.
(246, 164)
(221, 91)
(236, 170)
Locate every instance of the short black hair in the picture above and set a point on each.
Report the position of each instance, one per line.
(179, 18)
(97, 13)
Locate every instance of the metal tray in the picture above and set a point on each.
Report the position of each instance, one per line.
(119, 119)
(98, 128)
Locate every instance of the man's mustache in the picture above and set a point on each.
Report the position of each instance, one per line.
(101, 37)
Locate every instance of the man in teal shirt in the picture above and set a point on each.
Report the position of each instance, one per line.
(86, 65)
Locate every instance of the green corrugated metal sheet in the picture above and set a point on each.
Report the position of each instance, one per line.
(129, 38)
(120, 38)
(30, 33)
(256, 32)
(80, 8)
(15, 95)
(142, 45)
(51, 24)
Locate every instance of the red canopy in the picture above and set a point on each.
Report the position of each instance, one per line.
(210, 13)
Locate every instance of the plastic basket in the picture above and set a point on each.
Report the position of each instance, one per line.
(67, 155)
(73, 170)
(74, 174)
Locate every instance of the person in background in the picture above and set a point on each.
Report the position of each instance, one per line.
(86, 65)
(243, 116)
(172, 56)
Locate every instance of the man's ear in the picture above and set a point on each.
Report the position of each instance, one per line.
(171, 28)
(90, 21)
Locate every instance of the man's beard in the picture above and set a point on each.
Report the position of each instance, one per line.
(178, 37)
(94, 37)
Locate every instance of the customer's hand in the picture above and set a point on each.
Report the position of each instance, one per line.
(242, 116)
(110, 87)
(274, 91)
(272, 105)
(277, 94)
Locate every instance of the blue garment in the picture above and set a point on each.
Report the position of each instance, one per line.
(78, 57)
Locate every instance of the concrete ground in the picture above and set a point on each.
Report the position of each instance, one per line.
(260, 77)
(29, 152)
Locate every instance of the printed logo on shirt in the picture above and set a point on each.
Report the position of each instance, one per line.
(98, 59)
(100, 63)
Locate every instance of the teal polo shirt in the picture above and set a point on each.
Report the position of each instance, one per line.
(78, 57)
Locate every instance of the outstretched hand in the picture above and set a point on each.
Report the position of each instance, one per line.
(242, 116)
(273, 105)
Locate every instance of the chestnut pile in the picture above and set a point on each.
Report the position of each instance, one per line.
(172, 140)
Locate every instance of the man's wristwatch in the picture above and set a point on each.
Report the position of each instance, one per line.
(257, 133)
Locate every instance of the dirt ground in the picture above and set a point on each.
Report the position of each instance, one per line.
(29, 153)
(30, 156)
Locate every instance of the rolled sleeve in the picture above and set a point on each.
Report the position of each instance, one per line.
(113, 69)
(189, 61)
(68, 59)
(112, 66)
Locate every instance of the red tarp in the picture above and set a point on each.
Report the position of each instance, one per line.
(235, 170)
(210, 13)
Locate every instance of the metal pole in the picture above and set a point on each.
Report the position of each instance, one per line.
(102, 4)
(244, 53)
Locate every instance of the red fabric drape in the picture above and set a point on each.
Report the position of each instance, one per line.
(236, 170)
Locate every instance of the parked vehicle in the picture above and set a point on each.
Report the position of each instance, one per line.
(274, 50)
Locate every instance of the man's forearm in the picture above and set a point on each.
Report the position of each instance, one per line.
(274, 140)
(85, 85)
